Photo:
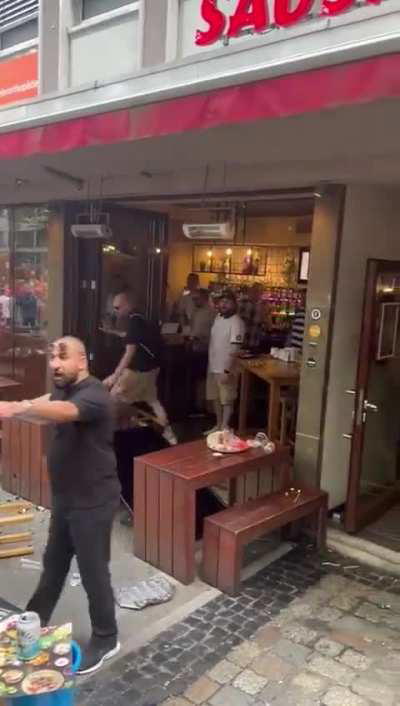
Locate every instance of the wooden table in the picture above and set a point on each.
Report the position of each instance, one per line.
(277, 374)
(165, 498)
(8, 385)
(26, 441)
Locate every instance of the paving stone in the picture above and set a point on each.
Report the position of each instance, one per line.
(299, 633)
(224, 672)
(267, 636)
(309, 683)
(250, 682)
(202, 690)
(327, 667)
(329, 615)
(384, 599)
(301, 609)
(339, 696)
(271, 667)
(244, 654)
(365, 629)
(378, 615)
(356, 660)
(374, 690)
(345, 601)
(290, 651)
(176, 702)
(328, 648)
(229, 696)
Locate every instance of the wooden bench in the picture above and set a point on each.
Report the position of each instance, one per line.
(228, 532)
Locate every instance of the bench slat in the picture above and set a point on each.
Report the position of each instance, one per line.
(254, 512)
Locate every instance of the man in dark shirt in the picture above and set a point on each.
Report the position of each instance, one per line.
(85, 492)
(135, 377)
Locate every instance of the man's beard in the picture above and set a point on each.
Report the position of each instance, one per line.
(62, 381)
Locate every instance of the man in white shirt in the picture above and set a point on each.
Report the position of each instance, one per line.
(227, 335)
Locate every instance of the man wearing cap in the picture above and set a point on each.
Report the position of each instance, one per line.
(227, 335)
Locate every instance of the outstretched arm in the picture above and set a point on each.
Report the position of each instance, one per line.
(55, 411)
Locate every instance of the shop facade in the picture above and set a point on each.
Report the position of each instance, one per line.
(221, 103)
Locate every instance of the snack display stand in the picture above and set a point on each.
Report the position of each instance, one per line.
(46, 680)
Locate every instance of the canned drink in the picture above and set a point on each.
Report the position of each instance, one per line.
(28, 635)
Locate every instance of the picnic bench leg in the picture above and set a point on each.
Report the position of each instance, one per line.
(322, 524)
(210, 553)
(139, 502)
(273, 410)
(184, 528)
(230, 563)
(244, 401)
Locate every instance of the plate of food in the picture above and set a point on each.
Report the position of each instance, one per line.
(225, 442)
(42, 682)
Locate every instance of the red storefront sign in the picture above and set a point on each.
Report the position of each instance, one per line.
(255, 15)
(19, 78)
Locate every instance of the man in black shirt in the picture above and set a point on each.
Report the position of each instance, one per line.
(135, 377)
(85, 492)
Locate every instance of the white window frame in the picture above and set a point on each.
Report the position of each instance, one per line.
(20, 46)
(71, 25)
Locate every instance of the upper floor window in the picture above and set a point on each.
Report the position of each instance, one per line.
(90, 8)
(18, 22)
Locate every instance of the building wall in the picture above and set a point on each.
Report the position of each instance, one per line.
(370, 226)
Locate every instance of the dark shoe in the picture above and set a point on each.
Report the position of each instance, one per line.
(97, 652)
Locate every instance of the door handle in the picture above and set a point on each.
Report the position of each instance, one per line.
(350, 392)
(369, 407)
(347, 436)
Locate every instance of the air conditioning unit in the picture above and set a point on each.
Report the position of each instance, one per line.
(208, 231)
(92, 231)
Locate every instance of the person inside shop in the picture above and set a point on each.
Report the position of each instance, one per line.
(256, 314)
(135, 377)
(85, 493)
(185, 304)
(199, 339)
(227, 336)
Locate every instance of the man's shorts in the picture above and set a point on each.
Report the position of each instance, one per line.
(223, 392)
(136, 386)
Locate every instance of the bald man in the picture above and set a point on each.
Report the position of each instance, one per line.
(85, 490)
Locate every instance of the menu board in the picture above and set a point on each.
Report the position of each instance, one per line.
(49, 671)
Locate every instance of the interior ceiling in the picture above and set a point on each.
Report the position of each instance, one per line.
(357, 144)
(258, 208)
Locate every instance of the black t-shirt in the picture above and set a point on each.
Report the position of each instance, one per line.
(82, 464)
(147, 338)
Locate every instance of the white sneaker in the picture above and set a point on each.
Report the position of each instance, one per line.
(168, 435)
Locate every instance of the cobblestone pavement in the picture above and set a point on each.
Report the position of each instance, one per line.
(305, 631)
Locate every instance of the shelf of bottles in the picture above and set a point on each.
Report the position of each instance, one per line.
(245, 260)
(283, 302)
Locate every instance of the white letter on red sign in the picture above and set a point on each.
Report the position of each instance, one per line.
(216, 21)
(286, 15)
(249, 13)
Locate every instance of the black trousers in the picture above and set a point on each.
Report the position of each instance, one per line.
(86, 534)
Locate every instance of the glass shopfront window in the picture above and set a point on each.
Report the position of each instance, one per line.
(24, 247)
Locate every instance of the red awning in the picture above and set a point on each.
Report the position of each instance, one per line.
(320, 89)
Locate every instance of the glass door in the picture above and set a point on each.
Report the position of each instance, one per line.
(374, 478)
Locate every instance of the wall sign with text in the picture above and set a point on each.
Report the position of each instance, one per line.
(19, 78)
(255, 15)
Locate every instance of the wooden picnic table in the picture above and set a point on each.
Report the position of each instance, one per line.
(7, 385)
(277, 374)
(165, 498)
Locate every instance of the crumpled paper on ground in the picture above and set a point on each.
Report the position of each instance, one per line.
(145, 593)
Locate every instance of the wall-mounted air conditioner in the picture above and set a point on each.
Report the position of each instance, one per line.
(92, 231)
(208, 231)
